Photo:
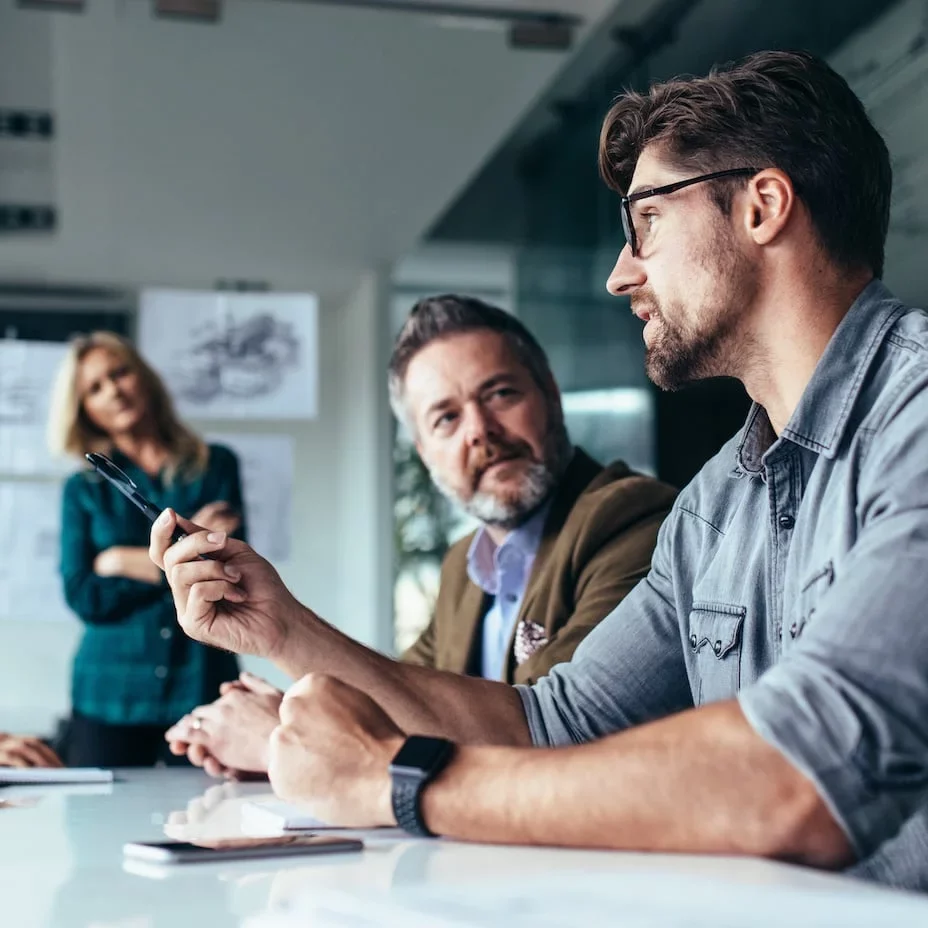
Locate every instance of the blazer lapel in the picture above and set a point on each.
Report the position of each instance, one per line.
(580, 473)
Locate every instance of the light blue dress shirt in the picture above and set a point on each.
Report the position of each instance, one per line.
(502, 572)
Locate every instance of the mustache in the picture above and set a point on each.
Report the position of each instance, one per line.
(644, 298)
(485, 456)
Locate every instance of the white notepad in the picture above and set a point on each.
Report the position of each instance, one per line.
(273, 815)
(26, 776)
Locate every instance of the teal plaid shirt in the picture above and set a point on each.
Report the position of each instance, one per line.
(134, 665)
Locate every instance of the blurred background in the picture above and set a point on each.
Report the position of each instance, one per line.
(360, 155)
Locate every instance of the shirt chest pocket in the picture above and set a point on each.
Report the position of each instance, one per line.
(813, 588)
(715, 640)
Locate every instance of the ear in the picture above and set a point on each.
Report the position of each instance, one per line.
(770, 203)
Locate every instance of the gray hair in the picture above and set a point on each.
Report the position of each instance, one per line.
(438, 317)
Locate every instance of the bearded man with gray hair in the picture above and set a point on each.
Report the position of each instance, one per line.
(562, 540)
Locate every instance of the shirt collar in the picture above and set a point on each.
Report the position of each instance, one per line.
(821, 417)
(483, 554)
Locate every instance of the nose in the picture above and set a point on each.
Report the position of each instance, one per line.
(627, 275)
(112, 387)
(479, 425)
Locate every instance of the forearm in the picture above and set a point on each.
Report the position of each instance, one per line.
(130, 563)
(419, 699)
(134, 564)
(700, 782)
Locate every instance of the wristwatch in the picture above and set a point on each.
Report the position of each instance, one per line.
(418, 761)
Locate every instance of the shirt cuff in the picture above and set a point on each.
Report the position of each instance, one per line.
(536, 722)
(811, 725)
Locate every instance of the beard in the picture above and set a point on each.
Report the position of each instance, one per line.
(508, 509)
(686, 351)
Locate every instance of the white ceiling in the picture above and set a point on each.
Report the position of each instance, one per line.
(293, 143)
(582, 8)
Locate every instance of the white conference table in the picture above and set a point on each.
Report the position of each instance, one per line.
(61, 865)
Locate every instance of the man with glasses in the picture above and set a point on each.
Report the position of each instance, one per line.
(765, 689)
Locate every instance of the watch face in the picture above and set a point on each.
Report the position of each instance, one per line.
(420, 754)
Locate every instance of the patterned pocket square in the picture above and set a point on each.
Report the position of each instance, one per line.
(530, 636)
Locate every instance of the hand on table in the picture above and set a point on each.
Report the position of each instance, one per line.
(331, 753)
(25, 751)
(231, 736)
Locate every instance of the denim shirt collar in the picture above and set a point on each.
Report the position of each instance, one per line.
(821, 417)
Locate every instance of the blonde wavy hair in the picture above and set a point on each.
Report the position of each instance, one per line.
(70, 431)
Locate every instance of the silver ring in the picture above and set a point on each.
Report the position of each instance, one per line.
(197, 723)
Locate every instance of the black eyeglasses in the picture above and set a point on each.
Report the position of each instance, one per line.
(628, 225)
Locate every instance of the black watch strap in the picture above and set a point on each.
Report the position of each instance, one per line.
(415, 765)
(405, 798)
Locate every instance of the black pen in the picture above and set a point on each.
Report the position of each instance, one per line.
(127, 486)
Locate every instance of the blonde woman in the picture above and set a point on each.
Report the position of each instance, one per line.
(134, 672)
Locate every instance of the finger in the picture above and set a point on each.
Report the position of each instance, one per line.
(178, 748)
(203, 598)
(201, 543)
(177, 731)
(256, 684)
(160, 538)
(36, 752)
(181, 728)
(213, 767)
(197, 755)
(231, 686)
(32, 756)
(48, 756)
(183, 576)
(13, 757)
(187, 733)
(210, 509)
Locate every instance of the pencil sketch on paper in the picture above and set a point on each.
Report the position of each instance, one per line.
(19, 401)
(233, 355)
(243, 359)
(27, 370)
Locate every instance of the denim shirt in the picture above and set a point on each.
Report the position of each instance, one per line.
(792, 574)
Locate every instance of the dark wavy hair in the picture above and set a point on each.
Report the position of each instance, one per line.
(788, 110)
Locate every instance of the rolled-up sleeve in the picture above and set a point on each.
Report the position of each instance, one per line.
(848, 705)
(628, 670)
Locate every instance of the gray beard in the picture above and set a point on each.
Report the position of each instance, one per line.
(538, 484)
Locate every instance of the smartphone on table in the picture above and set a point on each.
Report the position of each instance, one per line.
(184, 852)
